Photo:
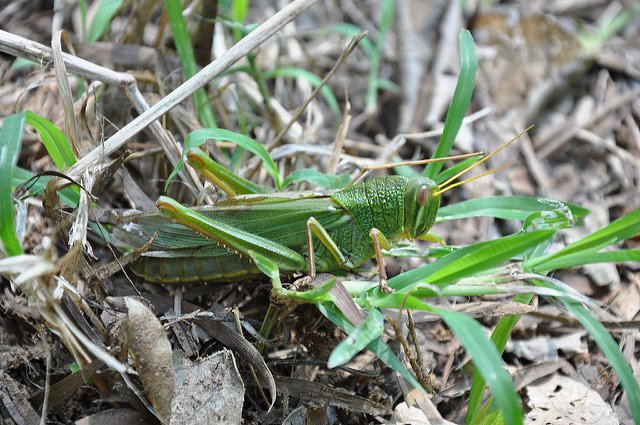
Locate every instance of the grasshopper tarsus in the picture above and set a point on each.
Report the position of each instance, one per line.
(384, 288)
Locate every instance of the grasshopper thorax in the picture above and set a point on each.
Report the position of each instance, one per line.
(421, 203)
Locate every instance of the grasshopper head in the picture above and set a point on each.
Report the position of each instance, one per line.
(421, 203)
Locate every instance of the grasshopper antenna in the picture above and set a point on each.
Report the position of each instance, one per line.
(470, 179)
(444, 187)
(368, 168)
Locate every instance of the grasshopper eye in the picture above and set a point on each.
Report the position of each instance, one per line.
(421, 203)
(422, 196)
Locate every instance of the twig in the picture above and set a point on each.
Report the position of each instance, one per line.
(25, 48)
(238, 51)
(422, 379)
(22, 47)
(347, 51)
(278, 139)
(414, 338)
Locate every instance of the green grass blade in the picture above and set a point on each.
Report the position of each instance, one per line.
(459, 103)
(351, 31)
(235, 70)
(315, 295)
(619, 230)
(198, 137)
(487, 361)
(406, 250)
(361, 336)
(243, 29)
(22, 63)
(500, 335)
(188, 61)
(216, 172)
(82, 6)
(559, 218)
(239, 9)
(623, 228)
(482, 351)
(107, 9)
(316, 178)
(384, 84)
(377, 346)
(491, 418)
(53, 140)
(453, 170)
(10, 141)
(313, 79)
(505, 207)
(471, 260)
(591, 257)
(607, 344)
(376, 53)
(593, 43)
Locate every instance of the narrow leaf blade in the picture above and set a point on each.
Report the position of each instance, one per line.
(316, 178)
(199, 137)
(107, 9)
(592, 257)
(313, 79)
(488, 362)
(10, 141)
(377, 346)
(623, 228)
(459, 103)
(505, 207)
(361, 336)
(53, 140)
(188, 61)
(471, 260)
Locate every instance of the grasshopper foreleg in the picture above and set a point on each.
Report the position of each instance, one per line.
(315, 228)
(379, 242)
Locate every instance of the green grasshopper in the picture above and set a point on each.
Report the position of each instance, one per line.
(298, 231)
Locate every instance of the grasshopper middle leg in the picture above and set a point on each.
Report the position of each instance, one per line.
(379, 242)
(315, 228)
